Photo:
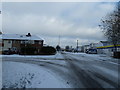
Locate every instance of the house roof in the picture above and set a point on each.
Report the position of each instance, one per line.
(19, 37)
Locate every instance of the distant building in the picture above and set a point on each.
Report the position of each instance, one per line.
(93, 45)
(105, 47)
(16, 41)
(0, 46)
(77, 49)
(84, 48)
(0, 43)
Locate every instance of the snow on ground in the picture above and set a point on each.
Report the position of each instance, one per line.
(56, 59)
(32, 75)
(56, 56)
(110, 72)
(24, 74)
(102, 57)
(21, 75)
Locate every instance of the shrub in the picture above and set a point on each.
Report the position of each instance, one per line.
(116, 55)
(28, 50)
(48, 50)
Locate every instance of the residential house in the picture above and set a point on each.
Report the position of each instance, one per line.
(15, 42)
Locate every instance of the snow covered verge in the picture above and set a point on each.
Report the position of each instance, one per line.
(21, 75)
(100, 57)
(56, 56)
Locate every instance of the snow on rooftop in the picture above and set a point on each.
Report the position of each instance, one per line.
(19, 37)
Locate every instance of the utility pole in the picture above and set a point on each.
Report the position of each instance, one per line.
(77, 45)
(58, 46)
(59, 41)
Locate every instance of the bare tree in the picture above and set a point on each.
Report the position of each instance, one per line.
(111, 26)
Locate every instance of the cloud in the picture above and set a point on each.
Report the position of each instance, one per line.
(51, 26)
(49, 20)
(48, 26)
(60, 0)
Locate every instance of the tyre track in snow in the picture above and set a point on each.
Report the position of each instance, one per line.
(61, 70)
(85, 78)
(75, 73)
(87, 74)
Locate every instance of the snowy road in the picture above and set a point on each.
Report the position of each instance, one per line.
(77, 70)
(93, 73)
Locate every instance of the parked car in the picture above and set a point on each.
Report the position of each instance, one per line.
(91, 51)
(86, 51)
(6, 52)
(9, 52)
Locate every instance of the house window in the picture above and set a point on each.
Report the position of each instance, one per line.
(118, 49)
(25, 42)
(22, 42)
(9, 41)
(40, 42)
(14, 41)
(36, 42)
(31, 41)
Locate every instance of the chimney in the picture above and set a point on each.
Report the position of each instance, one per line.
(28, 35)
(0, 32)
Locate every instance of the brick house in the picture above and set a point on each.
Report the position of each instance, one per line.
(15, 42)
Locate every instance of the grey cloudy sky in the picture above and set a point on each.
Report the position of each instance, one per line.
(71, 20)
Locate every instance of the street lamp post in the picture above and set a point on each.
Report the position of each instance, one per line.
(77, 45)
